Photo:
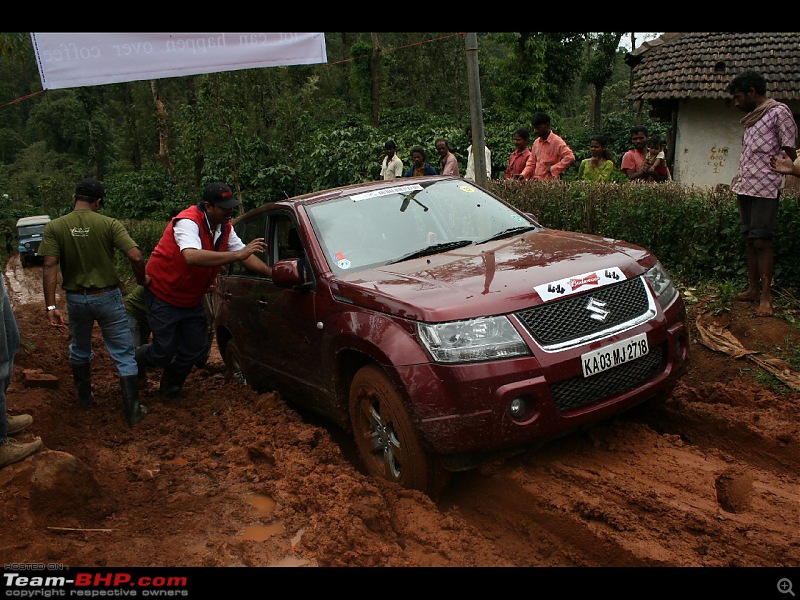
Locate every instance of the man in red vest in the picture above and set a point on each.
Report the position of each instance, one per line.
(181, 269)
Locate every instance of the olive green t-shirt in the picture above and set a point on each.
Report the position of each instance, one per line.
(134, 303)
(84, 241)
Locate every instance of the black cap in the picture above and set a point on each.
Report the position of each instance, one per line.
(220, 195)
(89, 189)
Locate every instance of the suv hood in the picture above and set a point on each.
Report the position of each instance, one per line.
(493, 278)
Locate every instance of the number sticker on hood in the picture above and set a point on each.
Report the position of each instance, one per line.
(579, 283)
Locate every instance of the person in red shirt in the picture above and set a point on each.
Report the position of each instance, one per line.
(550, 154)
(519, 157)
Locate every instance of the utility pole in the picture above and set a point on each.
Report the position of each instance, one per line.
(476, 110)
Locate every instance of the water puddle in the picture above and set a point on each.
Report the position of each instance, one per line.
(259, 533)
(264, 506)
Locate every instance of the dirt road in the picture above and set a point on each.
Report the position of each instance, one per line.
(706, 477)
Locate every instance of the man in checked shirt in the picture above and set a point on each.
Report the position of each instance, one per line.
(769, 128)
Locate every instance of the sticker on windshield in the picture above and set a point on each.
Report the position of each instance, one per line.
(341, 261)
(466, 188)
(403, 189)
(579, 283)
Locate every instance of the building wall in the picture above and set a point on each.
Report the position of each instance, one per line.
(708, 141)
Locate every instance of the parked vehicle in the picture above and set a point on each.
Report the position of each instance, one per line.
(29, 236)
(441, 325)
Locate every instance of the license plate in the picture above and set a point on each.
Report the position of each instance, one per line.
(614, 355)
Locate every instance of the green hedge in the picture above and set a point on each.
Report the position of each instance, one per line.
(693, 231)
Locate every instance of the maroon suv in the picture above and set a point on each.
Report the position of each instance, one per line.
(440, 324)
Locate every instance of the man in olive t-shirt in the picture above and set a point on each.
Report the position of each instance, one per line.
(82, 244)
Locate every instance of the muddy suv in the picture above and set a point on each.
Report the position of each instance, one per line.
(440, 325)
(29, 235)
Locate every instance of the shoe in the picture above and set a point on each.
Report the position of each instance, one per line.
(17, 423)
(12, 451)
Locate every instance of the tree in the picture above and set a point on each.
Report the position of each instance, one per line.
(602, 49)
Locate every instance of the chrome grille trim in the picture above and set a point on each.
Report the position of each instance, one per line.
(567, 323)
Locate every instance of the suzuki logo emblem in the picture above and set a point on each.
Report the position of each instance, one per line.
(597, 310)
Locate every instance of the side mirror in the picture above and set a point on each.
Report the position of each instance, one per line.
(286, 273)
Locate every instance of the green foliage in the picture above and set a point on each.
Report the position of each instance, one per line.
(360, 77)
(147, 233)
(694, 232)
(147, 194)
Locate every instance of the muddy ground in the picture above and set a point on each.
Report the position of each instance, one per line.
(704, 478)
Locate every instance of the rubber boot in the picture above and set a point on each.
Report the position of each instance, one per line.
(171, 386)
(82, 375)
(134, 412)
(141, 363)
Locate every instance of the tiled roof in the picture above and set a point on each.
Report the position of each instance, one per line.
(701, 64)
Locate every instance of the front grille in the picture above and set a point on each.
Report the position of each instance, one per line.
(568, 319)
(580, 391)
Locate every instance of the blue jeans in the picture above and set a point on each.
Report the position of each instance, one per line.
(180, 335)
(109, 312)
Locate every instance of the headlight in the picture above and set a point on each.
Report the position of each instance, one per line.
(486, 338)
(662, 284)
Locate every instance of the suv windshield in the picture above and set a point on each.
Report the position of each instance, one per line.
(404, 222)
(28, 230)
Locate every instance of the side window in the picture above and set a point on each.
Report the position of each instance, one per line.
(286, 241)
(247, 231)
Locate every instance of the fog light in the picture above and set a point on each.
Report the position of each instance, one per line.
(517, 407)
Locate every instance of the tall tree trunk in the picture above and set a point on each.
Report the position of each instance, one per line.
(375, 83)
(630, 85)
(133, 128)
(199, 156)
(597, 102)
(161, 114)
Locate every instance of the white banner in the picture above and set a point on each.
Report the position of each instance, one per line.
(80, 59)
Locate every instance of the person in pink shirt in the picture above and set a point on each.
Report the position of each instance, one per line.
(448, 163)
(550, 155)
(519, 157)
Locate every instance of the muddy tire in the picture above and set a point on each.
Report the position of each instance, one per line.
(233, 364)
(387, 441)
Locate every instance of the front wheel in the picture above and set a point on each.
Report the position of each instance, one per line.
(386, 439)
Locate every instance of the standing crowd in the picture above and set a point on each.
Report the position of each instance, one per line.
(545, 158)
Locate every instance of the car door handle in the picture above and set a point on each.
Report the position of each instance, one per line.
(226, 295)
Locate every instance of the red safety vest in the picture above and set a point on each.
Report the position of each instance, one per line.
(174, 281)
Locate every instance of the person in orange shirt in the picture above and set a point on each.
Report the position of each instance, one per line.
(519, 157)
(550, 154)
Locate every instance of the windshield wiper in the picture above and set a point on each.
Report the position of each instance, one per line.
(508, 233)
(434, 249)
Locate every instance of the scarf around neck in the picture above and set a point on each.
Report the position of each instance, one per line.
(755, 115)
